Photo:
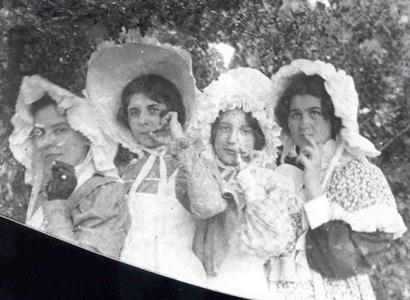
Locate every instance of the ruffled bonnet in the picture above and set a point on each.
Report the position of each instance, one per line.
(79, 115)
(114, 65)
(244, 88)
(342, 92)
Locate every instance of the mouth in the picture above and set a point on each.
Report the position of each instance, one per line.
(52, 155)
(306, 135)
(230, 152)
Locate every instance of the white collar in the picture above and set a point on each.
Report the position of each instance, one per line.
(85, 170)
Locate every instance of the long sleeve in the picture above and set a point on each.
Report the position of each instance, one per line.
(58, 219)
(97, 218)
(336, 251)
(269, 229)
(199, 188)
(354, 223)
(102, 221)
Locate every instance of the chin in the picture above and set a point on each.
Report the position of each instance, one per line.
(229, 161)
(147, 143)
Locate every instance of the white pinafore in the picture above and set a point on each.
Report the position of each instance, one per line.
(162, 231)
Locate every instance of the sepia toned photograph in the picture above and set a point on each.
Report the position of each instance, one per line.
(255, 148)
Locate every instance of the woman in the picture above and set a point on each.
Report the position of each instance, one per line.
(228, 184)
(145, 92)
(350, 215)
(69, 163)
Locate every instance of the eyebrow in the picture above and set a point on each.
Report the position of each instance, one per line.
(155, 105)
(309, 108)
(42, 126)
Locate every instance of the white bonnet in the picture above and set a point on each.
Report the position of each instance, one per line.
(80, 116)
(342, 92)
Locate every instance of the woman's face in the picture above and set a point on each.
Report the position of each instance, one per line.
(55, 140)
(306, 120)
(144, 116)
(233, 137)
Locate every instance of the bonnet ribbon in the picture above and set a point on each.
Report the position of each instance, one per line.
(154, 154)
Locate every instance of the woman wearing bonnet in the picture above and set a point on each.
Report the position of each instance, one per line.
(68, 161)
(349, 213)
(145, 93)
(228, 183)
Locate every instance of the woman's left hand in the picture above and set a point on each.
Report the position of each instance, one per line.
(172, 128)
(310, 157)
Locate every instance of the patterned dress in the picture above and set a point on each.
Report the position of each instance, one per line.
(365, 221)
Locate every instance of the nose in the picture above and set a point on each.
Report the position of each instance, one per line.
(306, 120)
(144, 119)
(233, 137)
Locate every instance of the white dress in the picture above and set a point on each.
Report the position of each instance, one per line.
(242, 274)
(162, 231)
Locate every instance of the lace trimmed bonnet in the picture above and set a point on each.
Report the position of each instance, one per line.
(114, 65)
(244, 88)
(342, 92)
(79, 114)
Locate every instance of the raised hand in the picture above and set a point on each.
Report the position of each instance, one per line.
(169, 130)
(63, 181)
(310, 157)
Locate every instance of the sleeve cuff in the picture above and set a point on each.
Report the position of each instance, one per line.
(318, 211)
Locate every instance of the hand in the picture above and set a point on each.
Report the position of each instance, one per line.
(169, 130)
(310, 157)
(62, 182)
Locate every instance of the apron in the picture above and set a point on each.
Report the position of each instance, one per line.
(241, 274)
(295, 268)
(162, 231)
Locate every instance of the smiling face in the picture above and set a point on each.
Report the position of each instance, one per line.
(234, 136)
(306, 119)
(55, 140)
(144, 116)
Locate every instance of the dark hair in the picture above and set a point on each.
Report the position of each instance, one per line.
(313, 85)
(158, 89)
(253, 123)
(43, 102)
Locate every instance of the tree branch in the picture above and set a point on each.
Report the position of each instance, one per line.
(393, 139)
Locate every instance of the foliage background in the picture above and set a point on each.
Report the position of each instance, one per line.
(370, 39)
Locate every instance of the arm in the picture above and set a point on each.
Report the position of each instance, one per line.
(336, 251)
(58, 219)
(269, 227)
(344, 242)
(101, 221)
(199, 188)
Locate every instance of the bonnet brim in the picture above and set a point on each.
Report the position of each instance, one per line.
(342, 92)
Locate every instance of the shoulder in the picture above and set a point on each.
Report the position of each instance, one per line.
(360, 183)
(101, 189)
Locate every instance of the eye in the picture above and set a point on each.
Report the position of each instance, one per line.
(61, 129)
(247, 130)
(224, 128)
(134, 112)
(295, 116)
(37, 132)
(154, 110)
(316, 113)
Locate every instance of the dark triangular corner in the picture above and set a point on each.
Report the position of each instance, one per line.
(34, 265)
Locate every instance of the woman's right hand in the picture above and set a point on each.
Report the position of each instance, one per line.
(62, 183)
(310, 157)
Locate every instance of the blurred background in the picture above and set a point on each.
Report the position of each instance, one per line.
(369, 39)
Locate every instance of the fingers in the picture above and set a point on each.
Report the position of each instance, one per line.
(171, 116)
